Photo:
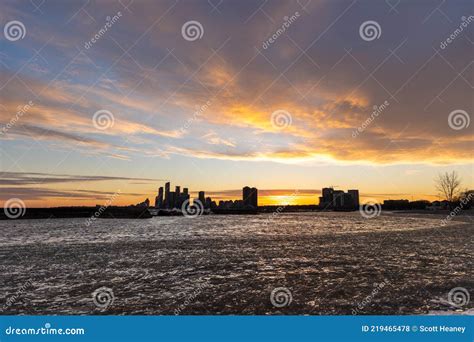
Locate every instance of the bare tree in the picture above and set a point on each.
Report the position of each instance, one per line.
(448, 185)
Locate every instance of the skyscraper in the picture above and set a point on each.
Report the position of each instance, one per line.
(167, 194)
(177, 198)
(159, 198)
(172, 200)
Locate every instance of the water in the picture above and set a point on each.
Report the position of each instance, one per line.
(330, 263)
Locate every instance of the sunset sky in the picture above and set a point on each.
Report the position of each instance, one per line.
(198, 112)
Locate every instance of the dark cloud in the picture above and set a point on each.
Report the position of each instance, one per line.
(35, 178)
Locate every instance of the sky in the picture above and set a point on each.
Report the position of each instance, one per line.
(100, 97)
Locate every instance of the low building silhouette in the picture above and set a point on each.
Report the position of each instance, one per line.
(401, 204)
(202, 197)
(339, 200)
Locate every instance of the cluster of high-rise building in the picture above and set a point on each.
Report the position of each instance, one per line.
(167, 199)
(339, 200)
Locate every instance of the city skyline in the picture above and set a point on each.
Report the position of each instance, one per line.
(290, 196)
(85, 111)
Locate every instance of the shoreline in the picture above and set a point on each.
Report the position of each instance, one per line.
(141, 212)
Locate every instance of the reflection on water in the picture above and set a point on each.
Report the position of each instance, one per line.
(331, 262)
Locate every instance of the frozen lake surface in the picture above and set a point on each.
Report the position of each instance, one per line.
(329, 263)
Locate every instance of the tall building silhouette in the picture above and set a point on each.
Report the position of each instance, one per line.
(177, 200)
(172, 200)
(250, 197)
(167, 195)
(159, 198)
